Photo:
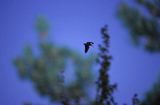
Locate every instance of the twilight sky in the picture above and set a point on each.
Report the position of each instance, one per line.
(72, 22)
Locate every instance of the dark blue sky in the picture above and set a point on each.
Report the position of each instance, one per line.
(71, 21)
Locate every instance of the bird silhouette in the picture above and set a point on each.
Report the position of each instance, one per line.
(87, 45)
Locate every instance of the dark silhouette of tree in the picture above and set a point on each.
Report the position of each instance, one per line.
(152, 97)
(143, 25)
(144, 28)
(47, 71)
(104, 88)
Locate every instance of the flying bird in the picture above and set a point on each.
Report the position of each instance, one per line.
(87, 45)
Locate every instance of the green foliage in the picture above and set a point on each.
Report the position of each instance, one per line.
(143, 25)
(104, 88)
(42, 26)
(48, 70)
(144, 28)
(152, 97)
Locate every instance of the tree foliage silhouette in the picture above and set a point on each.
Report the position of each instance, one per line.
(47, 71)
(144, 29)
(152, 97)
(143, 25)
(104, 88)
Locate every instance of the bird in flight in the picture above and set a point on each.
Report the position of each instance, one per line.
(87, 45)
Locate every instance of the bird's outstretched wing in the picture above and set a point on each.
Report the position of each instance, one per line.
(86, 48)
(91, 43)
